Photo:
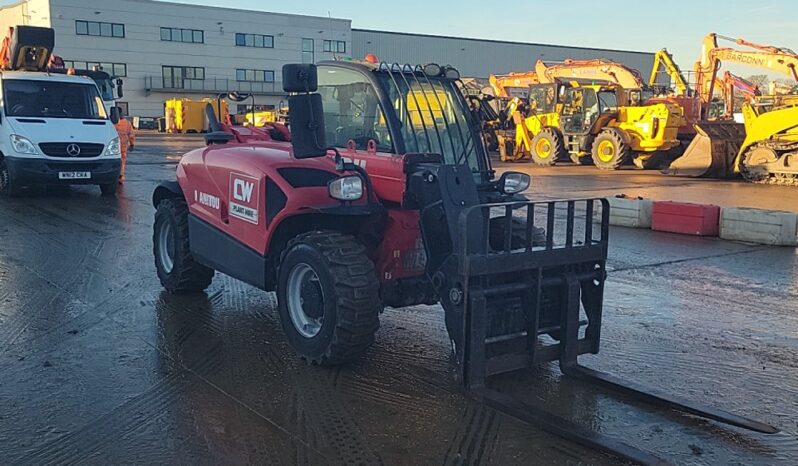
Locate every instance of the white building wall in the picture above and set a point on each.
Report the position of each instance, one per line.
(144, 53)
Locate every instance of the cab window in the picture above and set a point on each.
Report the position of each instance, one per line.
(352, 110)
(542, 99)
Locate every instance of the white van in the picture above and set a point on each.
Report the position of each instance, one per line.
(54, 130)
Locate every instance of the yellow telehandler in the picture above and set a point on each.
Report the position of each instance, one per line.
(609, 123)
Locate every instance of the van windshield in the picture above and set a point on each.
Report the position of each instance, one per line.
(52, 99)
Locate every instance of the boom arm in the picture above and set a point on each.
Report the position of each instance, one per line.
(502, 83)
(663, 59)
(597, 70)
(768, 57)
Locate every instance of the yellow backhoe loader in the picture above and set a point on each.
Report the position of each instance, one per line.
(510, 92)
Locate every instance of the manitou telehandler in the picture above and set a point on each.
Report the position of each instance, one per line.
(385, 197)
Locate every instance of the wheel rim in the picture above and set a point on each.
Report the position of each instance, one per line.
(305, 300)
(166, 247)
(606, 151)
(543, 149)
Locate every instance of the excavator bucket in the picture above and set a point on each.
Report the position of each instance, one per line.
(712, 152)
(514, 297)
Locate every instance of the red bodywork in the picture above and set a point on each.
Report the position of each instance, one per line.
(225, 186)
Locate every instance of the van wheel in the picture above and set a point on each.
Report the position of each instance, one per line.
(176, 268)
(8, 188)
(328, 297)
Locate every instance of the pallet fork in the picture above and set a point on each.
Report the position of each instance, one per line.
(510, 304)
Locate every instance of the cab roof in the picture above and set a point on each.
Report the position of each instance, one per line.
(41, 76)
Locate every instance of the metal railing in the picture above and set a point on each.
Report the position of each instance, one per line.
(211, 85)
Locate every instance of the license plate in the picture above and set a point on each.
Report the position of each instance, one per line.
(74, 175)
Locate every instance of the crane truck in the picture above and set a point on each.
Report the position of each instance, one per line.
(54, 128)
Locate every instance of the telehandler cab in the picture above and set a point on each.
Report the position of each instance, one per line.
(401, 208)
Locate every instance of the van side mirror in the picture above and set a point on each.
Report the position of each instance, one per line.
(305, 111)
(119, 88)
(115, 115)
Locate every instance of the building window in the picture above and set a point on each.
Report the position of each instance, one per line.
(254, 40)
(261, 76)
(114, 69)
(307, 51)
(192, 36)
(173, 76)
(97, 28)
(335, 46)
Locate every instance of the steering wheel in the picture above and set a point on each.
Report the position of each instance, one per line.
(18, 108)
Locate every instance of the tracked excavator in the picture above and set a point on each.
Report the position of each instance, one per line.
(762, 148)
(594, 109)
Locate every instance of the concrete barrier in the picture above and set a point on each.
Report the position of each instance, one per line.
(760, 226)
(629, 212)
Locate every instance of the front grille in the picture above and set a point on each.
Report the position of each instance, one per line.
(60, 149)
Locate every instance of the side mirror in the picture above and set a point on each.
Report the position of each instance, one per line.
(514, 182)
(300, 78)
(119, 88)
(115, 115)
(237, 96)
(305, 111)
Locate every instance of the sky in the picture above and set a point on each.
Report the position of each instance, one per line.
(677, 25)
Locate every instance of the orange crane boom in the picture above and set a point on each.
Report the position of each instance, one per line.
(593, 70)
(768, 57)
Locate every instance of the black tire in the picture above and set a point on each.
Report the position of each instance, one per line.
(109, 189)
(491, 140)
(185, 274)
(343, 283)
(547, 147)
(8, 187)
(518, 236)
(609, 150)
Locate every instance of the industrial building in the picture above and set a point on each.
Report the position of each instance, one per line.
(164, 50)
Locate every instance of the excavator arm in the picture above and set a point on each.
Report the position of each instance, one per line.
(504, 84)
(594, 70)
(663, 60)
(768, 57)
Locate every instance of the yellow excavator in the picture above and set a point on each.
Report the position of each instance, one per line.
(610, 123)
(763, 148)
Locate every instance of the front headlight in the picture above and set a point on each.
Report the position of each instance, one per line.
(22, 145)
(113, 147)
(346, 188)
(514, 182)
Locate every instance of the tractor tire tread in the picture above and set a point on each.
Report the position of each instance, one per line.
(558, 148)
(623, 149)
(190, 276)
(358, 291)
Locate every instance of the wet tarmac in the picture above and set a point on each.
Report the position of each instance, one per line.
(99, 366)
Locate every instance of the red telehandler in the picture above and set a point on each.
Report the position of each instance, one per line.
(385, 197)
